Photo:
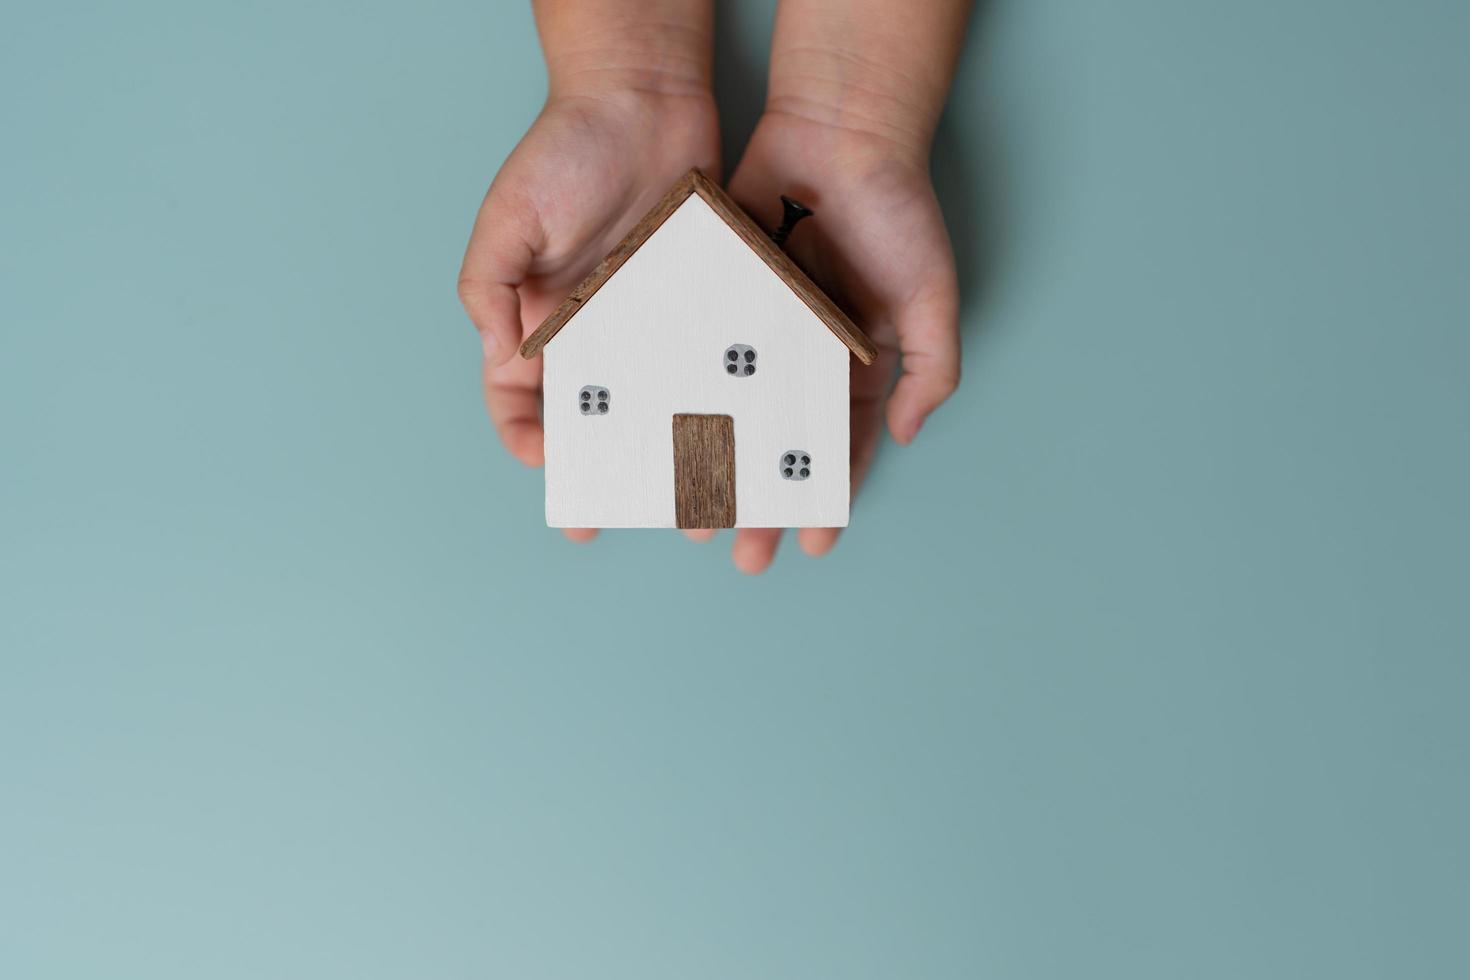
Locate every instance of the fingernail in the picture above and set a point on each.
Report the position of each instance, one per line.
(489, 345)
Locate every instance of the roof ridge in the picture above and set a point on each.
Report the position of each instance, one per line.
(695, 182)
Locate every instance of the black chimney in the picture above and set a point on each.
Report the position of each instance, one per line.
(794, 211)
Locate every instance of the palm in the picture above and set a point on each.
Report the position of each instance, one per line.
(878, 245)
(585, 171)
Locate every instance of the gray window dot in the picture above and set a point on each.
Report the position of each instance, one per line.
(790, 469)
(585, 399)
(740, 360)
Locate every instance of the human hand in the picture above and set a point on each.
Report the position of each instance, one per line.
(855, 92)
(878, 246)
(618, 128)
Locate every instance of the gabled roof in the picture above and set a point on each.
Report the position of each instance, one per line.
(741, 223)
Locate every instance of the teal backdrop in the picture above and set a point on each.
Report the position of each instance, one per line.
(1148, 660)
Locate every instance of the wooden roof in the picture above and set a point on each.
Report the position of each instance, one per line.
(743, 225)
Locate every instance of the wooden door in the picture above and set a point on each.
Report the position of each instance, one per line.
(704, 471)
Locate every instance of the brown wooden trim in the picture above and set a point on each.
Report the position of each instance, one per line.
(621, 253)
(704, 471)
(784, 266)
(743, 225)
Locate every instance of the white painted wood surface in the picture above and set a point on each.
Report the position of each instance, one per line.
(655, 335)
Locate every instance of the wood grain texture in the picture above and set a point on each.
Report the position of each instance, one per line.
(694, 182)
(704, 471)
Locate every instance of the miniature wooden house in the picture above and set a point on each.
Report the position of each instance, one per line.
(703, 384)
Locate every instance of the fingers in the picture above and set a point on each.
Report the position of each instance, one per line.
(866, 387)
(755, 548)
(581, 535)
(817, 541)
(700, 534)
(513, 398)
(496, 261)
(928, 336)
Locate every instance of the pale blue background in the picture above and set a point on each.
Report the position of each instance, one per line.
(1147, 661)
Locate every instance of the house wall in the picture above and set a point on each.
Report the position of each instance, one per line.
(655, 336)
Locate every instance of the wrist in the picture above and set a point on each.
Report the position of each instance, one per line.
(855, 102)
(633, 104)
(857, 125)
(657, 59)
(878, 70)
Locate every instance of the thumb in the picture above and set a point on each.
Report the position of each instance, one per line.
(495, 264)
(928, 337)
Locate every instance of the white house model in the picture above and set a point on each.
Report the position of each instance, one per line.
(701, 380)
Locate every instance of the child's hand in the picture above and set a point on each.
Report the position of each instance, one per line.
(629, 112)
(878, 245)
(855, 94)
(585, 172)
